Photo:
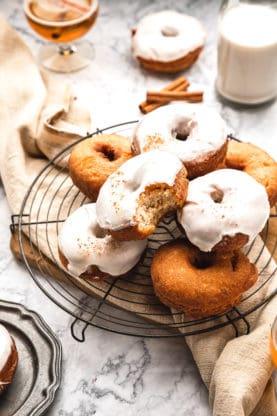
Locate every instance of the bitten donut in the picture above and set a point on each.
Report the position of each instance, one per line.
(200, 284)
(197, 135)
(8, 358)
(145, 188)
(224, 210)
(93, 160)
(85, 250)
(167, 41)
(257, 163)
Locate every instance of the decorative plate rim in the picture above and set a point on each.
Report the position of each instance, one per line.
(56, 349)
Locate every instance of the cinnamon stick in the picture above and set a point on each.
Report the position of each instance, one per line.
(165, 96)
(179, 84)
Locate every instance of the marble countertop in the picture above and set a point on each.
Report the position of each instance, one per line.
(131, 376)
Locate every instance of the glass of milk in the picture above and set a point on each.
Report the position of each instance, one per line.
(247, 51)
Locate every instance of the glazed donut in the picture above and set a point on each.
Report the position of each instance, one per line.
(8, 358)
(145, 188)
(93, 160)
(200, 284)
(86, 251)
(197, 135)
(167, 41)
(257, 163)
(225, 210)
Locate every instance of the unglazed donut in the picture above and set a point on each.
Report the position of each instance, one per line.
(85, 250)
(197, 135)
(197, 283)
(93, 160)
(257, 163)
(167, 41)
(224, 210)
(145, 188)
(8, 358)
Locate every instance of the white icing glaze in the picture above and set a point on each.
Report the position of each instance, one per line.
(167, 35)
(117, 201)
(5, 346)
(206, 131)
(83, 243)
(243, 209)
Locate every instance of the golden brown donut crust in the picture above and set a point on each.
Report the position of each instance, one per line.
(7, 373)
(93, 160)
(228, 243)
(161, 199)
(197, 283)
(171, 66)
(257, 163)
(208, 163)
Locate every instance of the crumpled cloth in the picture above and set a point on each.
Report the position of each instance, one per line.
(40, 115)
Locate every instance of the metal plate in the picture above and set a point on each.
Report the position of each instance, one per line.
(38, 374)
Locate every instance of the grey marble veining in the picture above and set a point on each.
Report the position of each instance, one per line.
(109, 373)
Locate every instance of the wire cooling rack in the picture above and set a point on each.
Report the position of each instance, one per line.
(126, 306)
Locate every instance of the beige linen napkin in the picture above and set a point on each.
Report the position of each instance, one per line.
(38, 117)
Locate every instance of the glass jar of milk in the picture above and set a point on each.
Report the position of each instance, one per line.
(247, 51)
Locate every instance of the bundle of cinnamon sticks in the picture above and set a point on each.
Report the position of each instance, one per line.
(175, 91)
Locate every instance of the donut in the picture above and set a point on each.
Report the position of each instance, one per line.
(257, 163)
(197, 283)
(224, 210)
(93, 160)
(167, 41)
(197, 135)
(87, 252)
(8, 358)
(145, 188)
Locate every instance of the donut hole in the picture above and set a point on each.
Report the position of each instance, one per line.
(133, 186)
(234, 262)
(202, 261)
(106, 151)
(217, 194)
(181, 136)
(181, 132)
(99, 232)
(169, 31)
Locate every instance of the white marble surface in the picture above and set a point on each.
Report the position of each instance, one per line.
(113, 374)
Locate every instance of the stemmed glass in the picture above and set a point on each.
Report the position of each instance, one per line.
(61, 22)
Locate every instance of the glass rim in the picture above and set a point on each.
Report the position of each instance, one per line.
(92, 9)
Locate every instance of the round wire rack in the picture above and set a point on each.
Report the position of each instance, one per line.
(126, 306)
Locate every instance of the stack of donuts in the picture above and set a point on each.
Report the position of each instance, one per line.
(179, 160)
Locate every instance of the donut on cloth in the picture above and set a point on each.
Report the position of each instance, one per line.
(93, 160)
(197, 283)
(167, 41)
(8, 358)
(133, 200)
(85, 250)
(224, 210)
(197, 135)
(257, 163)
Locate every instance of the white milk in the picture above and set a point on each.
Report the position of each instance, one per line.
(247, 54)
